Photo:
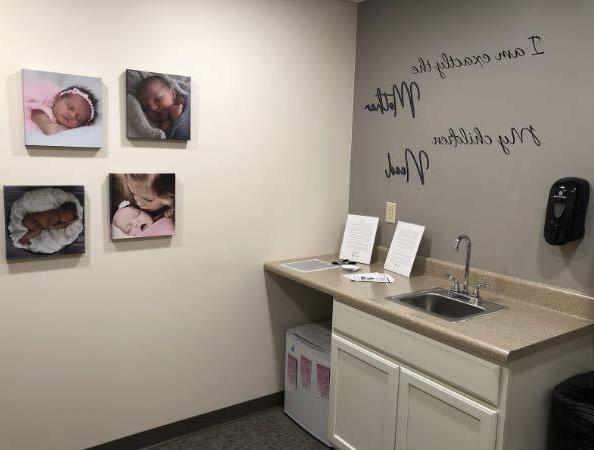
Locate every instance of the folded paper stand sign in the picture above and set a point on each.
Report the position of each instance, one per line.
(358, 238)
(404, 247)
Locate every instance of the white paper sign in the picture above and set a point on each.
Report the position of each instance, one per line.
(358, 239)
(403, 248)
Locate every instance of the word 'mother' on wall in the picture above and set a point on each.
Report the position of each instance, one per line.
(386, 101)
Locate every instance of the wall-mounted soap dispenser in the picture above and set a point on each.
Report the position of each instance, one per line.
(566, 210)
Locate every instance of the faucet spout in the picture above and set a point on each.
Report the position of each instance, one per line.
(457, 241)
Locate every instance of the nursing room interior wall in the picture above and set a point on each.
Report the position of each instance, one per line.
(133, 335)
(494, 192)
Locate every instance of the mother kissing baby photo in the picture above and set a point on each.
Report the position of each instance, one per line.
(142, 205)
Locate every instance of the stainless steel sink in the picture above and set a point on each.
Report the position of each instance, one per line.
(442, 303)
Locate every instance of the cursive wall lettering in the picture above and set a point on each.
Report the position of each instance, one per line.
(421, 164)
(475, 136)
(517, 135)
(406, 95)
(388, 101)
(447, 62)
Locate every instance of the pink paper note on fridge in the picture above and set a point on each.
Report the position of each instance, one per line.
(323, 378)
(292, 371)
(305, 365)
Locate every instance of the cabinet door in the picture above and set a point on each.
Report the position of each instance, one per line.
(363, 398)
(433, 417)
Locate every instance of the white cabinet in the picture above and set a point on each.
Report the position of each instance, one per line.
(375, 404)
(363, 398)
(433, 417)
(392, 388)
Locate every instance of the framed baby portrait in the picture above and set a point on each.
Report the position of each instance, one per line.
(44, 220)
(142, 205)
(158, 106)
(62, 110)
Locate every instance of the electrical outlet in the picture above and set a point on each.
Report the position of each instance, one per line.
(390, 212)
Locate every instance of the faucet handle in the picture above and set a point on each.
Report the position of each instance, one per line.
(456, 287)
(476, 292)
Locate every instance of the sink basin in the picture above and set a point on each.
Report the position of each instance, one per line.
(440, 303)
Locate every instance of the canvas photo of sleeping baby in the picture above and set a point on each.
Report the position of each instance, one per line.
(142, 205)
(44, 220)
(62, 110)
(157, 106)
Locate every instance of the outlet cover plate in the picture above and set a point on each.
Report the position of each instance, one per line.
(390, 212)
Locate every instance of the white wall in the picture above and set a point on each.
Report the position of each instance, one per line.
(134, 335)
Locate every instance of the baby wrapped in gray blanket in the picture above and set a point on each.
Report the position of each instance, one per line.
(158, 106)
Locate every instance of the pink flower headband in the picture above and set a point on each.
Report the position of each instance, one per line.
(80, 93)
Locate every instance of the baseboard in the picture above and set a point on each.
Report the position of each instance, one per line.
(191, 425)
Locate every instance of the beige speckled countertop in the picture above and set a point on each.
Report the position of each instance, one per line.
(501, 337)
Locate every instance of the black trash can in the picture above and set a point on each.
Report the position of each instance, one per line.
(573, 413)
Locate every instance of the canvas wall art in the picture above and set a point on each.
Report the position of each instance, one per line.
(142, 205)
(44, 220)
(157, 106)
(62, 110)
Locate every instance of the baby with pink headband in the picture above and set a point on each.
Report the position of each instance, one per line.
(52, 110)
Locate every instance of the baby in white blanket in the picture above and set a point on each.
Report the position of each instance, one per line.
(51, 219)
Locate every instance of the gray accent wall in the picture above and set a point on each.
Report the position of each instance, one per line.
(498, 199)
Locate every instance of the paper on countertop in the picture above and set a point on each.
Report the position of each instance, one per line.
(311, 265)
(358, 238)
(375, 277)
(404, 247)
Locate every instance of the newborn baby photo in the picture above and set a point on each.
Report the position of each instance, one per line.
(44, 220)
(141, 205)
(62, 110)
(157, 106)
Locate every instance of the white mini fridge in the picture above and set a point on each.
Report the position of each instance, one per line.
(307, 377)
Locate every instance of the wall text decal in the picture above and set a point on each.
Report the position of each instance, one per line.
(407, 94)
(404, 96)
(448, 62)
(475, 136)
(421, 164)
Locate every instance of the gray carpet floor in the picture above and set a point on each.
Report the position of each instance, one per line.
(269, 429)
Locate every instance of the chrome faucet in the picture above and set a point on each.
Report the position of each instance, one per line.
(474, 297)
(457, 241)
